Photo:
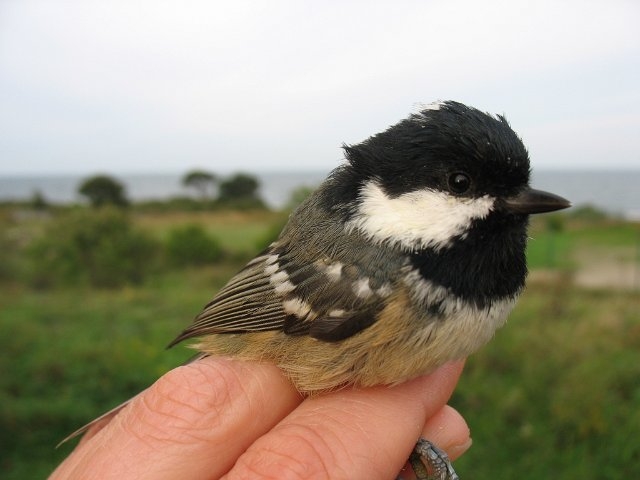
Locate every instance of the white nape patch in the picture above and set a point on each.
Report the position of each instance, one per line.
(361, 288)
(431, 106)
(338, 313)
(297, 307)
(416, 220)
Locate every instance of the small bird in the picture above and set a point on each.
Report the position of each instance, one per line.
(409, 255)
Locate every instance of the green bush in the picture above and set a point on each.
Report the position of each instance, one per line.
(98, 247)
(192, 245)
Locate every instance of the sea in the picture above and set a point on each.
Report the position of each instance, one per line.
(613, 191)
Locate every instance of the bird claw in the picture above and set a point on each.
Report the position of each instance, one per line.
(431, 463)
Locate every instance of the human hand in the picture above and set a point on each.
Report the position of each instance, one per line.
(224, 418)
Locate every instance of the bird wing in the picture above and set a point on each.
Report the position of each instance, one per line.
(248, 302)
(302, 291)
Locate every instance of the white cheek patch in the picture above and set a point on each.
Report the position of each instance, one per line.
(416, 220)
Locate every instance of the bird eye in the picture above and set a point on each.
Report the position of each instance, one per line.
(459, 182)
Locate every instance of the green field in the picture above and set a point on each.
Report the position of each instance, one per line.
(237, 231)
(555, 395)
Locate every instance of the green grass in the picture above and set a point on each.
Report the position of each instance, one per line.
(555, 395)
(562, 249)
(237, 232)
(71, 354)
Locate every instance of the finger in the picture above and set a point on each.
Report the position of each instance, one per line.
(366, 433)
(92, 428)
(448, 430)
(95, 428)
(192, 423)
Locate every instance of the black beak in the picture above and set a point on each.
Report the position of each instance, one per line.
(535, 201)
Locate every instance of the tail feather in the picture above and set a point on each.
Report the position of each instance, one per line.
(107, 415)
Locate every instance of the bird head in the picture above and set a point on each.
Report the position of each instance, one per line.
(434, 176)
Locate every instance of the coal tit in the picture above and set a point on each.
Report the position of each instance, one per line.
(411, 254)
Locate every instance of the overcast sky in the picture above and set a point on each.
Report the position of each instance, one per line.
(166, 86)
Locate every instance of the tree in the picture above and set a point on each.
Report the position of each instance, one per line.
(239, 187)
(201, 181)
(103, 190)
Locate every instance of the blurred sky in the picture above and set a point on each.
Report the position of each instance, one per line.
(166, 86)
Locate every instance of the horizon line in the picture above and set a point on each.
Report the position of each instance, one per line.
(277, 171)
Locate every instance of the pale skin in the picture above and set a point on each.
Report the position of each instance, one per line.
(222, 418)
